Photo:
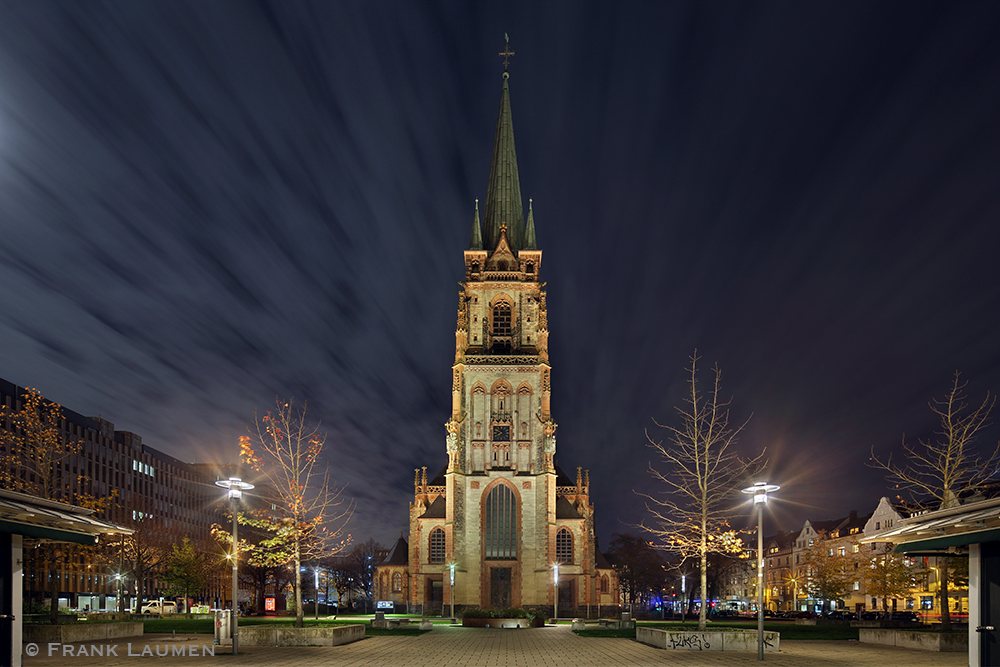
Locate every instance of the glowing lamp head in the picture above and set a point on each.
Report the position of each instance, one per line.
(760, 490)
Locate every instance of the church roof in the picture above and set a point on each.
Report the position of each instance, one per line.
(565, 509)
(436, 510)
(439, 479)
(600, 561)
(503, 194)
(562, 479)
(400, 554)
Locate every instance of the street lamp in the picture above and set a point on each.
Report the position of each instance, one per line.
(759, 492)
(316, 588)
(236, 487)
(555, 594)
(451, 568)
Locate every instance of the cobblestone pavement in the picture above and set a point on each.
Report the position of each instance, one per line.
(468, 647)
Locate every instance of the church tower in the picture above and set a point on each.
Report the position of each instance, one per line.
(493, 524)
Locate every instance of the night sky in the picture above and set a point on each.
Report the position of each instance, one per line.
(204, 206)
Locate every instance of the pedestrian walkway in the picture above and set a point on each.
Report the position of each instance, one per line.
(467, 647)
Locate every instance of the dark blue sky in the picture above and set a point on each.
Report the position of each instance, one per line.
(205, 205)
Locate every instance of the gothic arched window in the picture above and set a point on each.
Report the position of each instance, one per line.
(564, 546)
(397, 582)
(500, 523)
(501, 319)
(437, 546)
(604, 584)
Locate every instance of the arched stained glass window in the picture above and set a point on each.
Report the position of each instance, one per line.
(604, 584)
(397, 582)
(437, 546)
(499, 525)
(564, 546)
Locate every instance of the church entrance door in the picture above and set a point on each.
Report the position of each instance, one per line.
(435, 594)
(566, 598)
(500, 587)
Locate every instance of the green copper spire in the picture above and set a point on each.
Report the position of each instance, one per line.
(503, 195)
(476, 243)
(529, 231)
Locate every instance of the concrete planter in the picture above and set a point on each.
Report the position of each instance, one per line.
(79, 632)
(262, 635)
(726, 640)
(950, 642)
(503, 622)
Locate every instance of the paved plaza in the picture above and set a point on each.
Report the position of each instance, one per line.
(468, 647)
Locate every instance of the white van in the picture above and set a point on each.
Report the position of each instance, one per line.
(157, 607)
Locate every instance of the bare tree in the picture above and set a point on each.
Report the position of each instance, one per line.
(702, 470)
(310, 513)
(949, 465)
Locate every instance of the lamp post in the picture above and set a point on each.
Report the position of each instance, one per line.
(555, 594)
(316, 588)
(236, 487)
(759, 492)
(451, 595)
(795, 593)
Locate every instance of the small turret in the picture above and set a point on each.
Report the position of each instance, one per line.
(476, 242)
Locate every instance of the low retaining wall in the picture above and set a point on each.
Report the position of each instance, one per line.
(79, 632)
(503, 622)
(264, 635)
(726, 640)
(945, 642)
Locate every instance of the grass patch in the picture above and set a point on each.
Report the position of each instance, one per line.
(207, 625)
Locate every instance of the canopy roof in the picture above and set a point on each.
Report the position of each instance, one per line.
(31, 516)
(938, 531)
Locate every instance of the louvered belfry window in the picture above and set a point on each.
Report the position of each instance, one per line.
(499, 529)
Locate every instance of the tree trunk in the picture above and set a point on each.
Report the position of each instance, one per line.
(702, 613)
(943, 591)
(53, 592)
(298, 584)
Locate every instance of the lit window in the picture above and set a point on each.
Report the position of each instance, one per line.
(564, 546)
(857, 548)
(437, 546)
(857, 585)
(397, 582)
(843, 551)
(500, 531)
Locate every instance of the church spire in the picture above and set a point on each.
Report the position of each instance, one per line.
(476, 242)
(529, 230)
(503, 195)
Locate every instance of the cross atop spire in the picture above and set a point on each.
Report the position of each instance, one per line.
(506, 53)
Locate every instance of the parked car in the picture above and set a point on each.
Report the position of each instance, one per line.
(157, 607)
(904, 616)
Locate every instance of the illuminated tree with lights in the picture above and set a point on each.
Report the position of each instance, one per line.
(34, 453)
(701, 471)
(949, 465)
(309, 514)
(34, 449)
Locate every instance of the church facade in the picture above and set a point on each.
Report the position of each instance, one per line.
(500, 522)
